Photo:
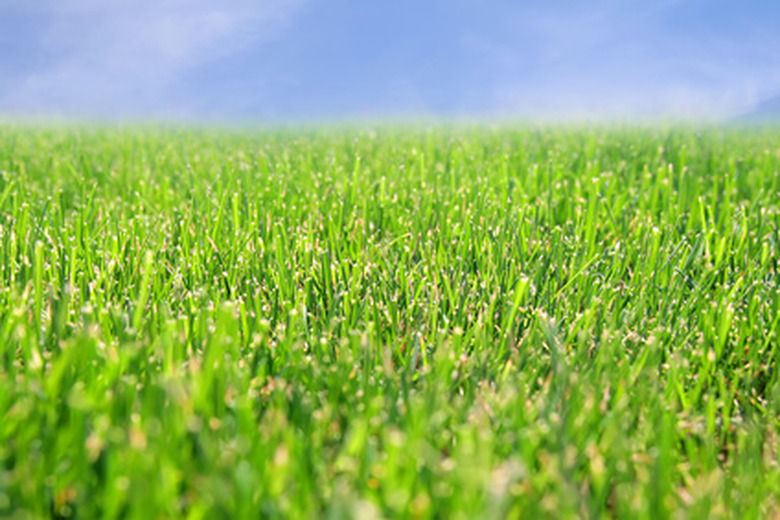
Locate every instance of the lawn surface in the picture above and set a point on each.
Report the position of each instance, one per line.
(461, 322)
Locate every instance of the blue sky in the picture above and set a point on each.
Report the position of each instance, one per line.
(308, 59)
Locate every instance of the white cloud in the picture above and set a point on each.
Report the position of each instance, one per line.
(118, 57)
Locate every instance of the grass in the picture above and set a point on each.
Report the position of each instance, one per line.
(464, 322)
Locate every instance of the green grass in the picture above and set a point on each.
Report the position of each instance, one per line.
(462, 322)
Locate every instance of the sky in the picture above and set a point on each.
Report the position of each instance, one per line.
(277, 60)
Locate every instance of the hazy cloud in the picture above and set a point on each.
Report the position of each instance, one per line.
(125, 56)
(625, 59)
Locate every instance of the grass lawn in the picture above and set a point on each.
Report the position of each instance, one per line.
(462, 322)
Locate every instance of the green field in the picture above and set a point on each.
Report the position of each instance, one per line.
(461, 322)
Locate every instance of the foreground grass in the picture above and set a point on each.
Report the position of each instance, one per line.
(454, 323)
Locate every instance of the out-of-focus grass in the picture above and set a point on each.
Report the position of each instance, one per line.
(467, 323)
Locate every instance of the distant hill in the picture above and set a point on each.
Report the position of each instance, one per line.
(768, 111)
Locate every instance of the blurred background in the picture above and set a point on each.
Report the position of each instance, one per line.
(310, 60)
